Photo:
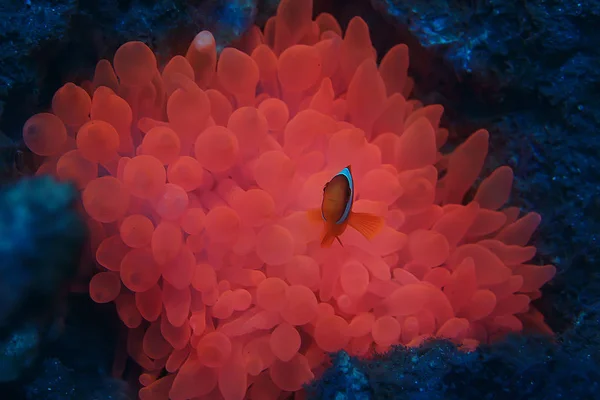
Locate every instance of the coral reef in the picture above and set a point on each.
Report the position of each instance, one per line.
(520, 367)
(197, 178)
(551, 153)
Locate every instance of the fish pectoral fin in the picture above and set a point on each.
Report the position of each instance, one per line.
(328, 239)
(338, 239)
(368, 225)
(314, 215)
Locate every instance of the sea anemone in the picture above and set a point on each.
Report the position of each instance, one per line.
(195, 181)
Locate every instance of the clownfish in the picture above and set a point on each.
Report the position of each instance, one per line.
(336, 211)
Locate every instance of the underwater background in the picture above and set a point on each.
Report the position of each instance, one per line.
(525, 71)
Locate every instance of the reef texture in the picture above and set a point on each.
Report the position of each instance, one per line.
(42, 236)
(197, 179)
(78, 363)
(519, 367)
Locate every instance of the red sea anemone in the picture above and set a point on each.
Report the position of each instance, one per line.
(196, 180)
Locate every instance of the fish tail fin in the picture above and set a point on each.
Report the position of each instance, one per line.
(368, 225)
(328, 239)
(314, 215)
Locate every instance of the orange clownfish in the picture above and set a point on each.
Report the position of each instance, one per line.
(336, 211)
